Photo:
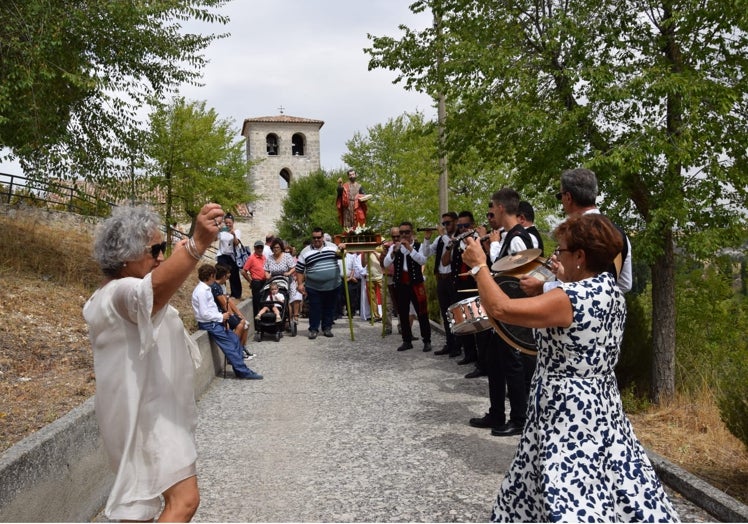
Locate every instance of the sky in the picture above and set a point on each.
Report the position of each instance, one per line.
(307, 57)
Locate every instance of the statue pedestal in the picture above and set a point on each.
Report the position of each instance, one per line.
(366, 242)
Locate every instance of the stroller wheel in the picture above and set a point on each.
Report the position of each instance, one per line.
(258, 336)
(293, 328)
(278, 336)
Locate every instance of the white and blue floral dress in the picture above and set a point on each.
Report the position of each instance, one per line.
(578, 459)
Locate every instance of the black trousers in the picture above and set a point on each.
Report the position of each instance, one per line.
(415, 293)
(235, 278)
(447, 295)
(256, 287)
(506, 375)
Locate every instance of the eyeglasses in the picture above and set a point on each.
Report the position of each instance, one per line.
(395, 237)
(462, 226)
(490, 215)
(405, 231)
(558, 251)
(446, 223)
(157, 248)
(316, 238)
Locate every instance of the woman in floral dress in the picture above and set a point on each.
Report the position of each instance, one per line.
(578, 459)
(281, 263)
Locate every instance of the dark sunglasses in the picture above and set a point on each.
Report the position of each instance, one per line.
(395, 237)
(316, 238)
(462, 226)
(405, 231)
(446, 223)
(490, 215)
(158, 248)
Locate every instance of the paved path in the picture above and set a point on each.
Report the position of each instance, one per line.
(343, 431)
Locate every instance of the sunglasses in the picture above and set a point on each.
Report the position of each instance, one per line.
(316, 238)
(462, 226)
(490, 215)
(446, 223)
(157, 248)
(395, 237)
(405, 231)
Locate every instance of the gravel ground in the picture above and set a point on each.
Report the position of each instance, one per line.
(351, 431)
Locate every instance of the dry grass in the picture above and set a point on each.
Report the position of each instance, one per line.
(46, 365)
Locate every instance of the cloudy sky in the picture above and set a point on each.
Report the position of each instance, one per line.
(306, 56)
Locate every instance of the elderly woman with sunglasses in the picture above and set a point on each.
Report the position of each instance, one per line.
(578, 459)
(143, 360)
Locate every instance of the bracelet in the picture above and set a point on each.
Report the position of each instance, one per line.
(192, 249)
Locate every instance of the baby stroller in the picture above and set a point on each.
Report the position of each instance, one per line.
(268, 323)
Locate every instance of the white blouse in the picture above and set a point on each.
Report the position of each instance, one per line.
(145, 399)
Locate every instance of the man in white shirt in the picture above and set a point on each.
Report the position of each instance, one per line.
(210, 319)
(229, 241)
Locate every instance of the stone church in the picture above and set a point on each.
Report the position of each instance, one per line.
(282, 149)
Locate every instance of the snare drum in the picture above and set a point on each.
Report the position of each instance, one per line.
(467, 316)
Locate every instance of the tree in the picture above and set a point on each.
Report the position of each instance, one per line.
(194, 157)
(649, 94)
(310, 203)
(76, 73)
(397, 162)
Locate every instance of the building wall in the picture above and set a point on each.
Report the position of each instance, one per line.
(265, 179)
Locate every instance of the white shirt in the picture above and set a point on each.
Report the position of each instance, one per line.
(443, 270)
(203, 304)
(226, 241)
(418, 256)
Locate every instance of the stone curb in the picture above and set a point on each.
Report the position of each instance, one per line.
(716, 502)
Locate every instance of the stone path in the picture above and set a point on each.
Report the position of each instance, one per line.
(343, 431)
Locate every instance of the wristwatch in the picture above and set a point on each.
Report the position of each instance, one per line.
(477, 268)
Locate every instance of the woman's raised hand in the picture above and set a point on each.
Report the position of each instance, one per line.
(207, 225)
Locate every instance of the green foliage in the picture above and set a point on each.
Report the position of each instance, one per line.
(76, 73)
(310, 203)
(634, 366)
(195, 157)
(732, 390)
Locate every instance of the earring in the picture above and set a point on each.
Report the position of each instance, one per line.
(577, 267)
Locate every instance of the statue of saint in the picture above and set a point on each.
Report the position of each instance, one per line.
(351, 202)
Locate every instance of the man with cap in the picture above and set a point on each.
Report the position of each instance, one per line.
(254, 272)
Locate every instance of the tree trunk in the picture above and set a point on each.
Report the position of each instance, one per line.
(663, 322)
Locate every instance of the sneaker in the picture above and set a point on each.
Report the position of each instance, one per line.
(277, 318)
(250, 376)
(405, 346)
(248, 355)
(313, 334)
(257, 317)
(327, 333)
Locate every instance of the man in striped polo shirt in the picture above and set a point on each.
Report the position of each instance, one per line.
(318, 277)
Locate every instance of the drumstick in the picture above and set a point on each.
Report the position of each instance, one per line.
(467, 290)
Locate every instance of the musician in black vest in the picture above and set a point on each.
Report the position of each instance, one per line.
(445, 290)
(526, 217)
(473, 344)
(577, 195)
(408, 257)
(505, 365)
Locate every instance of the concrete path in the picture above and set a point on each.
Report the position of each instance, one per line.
(342, 431)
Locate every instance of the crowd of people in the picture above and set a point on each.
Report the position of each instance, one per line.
(578, 458)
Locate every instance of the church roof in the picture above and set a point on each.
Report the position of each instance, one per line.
(284, 119)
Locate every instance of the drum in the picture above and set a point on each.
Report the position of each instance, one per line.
(467, 316)
(520, 338)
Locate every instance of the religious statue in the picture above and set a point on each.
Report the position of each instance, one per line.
(351, 203)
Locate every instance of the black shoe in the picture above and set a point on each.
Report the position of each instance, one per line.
(327, 333)
(475, 373)
(486, 421)
(465, 361)
(443, 351)
(405, 346)
(455, 354)
(313, 334)
(426, 347)
(508, 429)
